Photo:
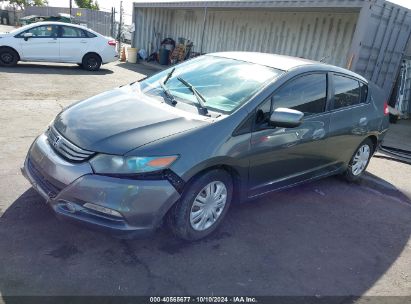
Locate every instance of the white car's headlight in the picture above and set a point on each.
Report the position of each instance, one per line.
(113, 164)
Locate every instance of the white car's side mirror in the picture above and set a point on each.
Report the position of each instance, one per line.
(26, 36)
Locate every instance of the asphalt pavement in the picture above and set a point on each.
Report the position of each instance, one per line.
(322, 238)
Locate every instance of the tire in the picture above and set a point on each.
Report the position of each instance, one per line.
(184, 218)
(80, 65)
(8, 57)
(359, 161)
(91, 62)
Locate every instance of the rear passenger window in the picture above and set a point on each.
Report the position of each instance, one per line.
(307, 94)
(363, 92)
(347, 92)
(71, 32)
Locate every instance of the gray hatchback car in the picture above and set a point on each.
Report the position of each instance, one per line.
(184, 144)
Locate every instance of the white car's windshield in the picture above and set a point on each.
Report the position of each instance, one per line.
(225, 83)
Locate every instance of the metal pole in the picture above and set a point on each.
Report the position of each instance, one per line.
(71, 6)
(121, 27)
(112, 22)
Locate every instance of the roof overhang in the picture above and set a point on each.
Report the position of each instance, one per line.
(284, 5)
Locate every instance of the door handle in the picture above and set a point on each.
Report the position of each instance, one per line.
(83, 41)
(52, 42)
(363, 121)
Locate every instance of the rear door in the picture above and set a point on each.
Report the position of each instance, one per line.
(73, 44)
(42, 46)
(350, 116)
(283, 156)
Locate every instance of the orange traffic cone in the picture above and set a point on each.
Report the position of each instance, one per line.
(123, 54)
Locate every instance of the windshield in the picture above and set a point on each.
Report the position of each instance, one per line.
(225, 83)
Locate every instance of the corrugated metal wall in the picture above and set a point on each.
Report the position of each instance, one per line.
(96, 20)
(150, 22)
(311, 35)
(380, 43)
(407, 89)
(371, 41)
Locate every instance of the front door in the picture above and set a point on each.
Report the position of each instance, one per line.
(285, 156)
(73, 44)
(42, 46)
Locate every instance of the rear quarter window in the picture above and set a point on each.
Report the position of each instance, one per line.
(364, 93)
(89, 34)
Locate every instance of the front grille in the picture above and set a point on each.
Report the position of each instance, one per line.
(65, 148)
(50, 189)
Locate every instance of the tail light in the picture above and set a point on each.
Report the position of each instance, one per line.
(386, 110)
(112, 42)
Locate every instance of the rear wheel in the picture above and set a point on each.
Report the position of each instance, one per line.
(91, 62)
(202, 206)
(359, 161)
(8, 57)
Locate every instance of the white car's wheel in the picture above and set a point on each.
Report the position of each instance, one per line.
(91, 62)
(8, 57)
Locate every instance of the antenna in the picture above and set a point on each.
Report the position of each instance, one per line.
(324, 58)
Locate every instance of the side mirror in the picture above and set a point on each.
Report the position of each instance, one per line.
(26, 36)
(286, 118)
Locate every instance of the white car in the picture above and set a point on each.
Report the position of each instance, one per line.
(57, 42)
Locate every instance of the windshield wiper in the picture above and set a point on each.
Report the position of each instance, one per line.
(168, 93)
(166, 90)
(169, 75)
(200, 98)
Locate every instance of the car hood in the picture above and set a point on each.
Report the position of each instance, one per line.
(3, 35)
(121, 120)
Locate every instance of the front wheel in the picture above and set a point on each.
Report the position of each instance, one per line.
(91, 62)
(359, 161)
(202, 206)
(8, 57)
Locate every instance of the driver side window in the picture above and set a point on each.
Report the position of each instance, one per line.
(262, 115)
(44, 31)
(307, 94)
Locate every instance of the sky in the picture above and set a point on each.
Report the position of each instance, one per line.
(405, 3)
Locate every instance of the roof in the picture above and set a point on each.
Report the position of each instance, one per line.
(31, 25)
(277, 4)
(284, 63)
(279, 62)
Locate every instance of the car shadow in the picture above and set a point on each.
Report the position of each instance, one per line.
(50, 68)
(139, 68)
(323, 238)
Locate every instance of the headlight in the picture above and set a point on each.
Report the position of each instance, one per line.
(112, 164)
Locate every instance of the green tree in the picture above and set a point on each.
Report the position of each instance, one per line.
(24, 3)
(90, 4)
